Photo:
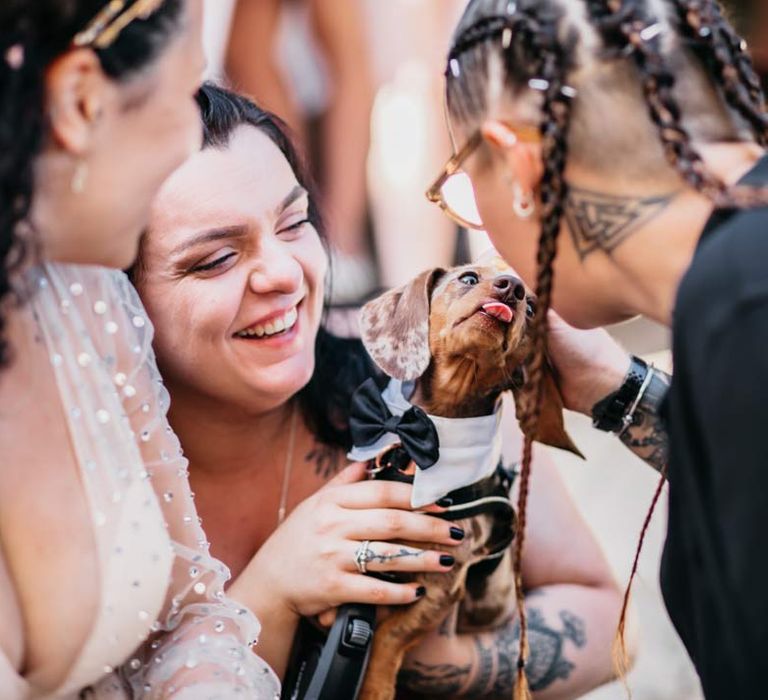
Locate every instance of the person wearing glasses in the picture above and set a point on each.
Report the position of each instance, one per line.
(107, 587)
(616, 153)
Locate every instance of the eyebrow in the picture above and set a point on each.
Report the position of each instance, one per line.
(294, 195)
(218, 234)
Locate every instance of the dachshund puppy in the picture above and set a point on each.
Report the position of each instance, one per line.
(461, 336)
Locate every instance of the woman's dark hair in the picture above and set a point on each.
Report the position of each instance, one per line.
(567, 64)
(32, 35)
(341, 365)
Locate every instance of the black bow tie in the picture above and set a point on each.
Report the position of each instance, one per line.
(370, 419)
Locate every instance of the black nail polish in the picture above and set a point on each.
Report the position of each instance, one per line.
(445, 502)
(447, 560)
(457, 533)
(421, 592)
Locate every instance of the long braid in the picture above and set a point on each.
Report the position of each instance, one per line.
(553, 197)
(547, 60)
(703, 23)
(620, 655)
(627, 28)
(556, 110)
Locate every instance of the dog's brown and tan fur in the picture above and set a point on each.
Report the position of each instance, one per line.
(434, 330)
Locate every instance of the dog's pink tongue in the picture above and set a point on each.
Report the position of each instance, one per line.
(499, 311)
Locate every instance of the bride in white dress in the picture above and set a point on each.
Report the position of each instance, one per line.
(107, 587)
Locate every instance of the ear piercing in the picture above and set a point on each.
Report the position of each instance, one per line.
(523, 203)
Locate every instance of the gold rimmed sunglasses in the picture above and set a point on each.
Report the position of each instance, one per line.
(452, 190)
(102, 31)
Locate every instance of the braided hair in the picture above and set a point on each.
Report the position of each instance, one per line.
(542, 60)
(702, 23)
(623, 24)
(519, 45)
(32, 36)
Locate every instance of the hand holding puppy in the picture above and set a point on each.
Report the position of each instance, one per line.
(589, 364)
(308, 565)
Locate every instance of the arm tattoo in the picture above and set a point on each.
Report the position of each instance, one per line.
(441, 679)
(646, 435)
(484, 670)
(601, 222)
(326, 459)
(493, 670)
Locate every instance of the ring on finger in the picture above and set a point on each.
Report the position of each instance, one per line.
(363, 555)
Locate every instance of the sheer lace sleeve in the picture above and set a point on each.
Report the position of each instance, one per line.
(202, 648)
(199, 647)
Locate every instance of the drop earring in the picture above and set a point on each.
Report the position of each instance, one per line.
(79, 178)
(523, 203)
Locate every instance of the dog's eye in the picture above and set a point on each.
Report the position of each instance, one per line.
(530, 308)
(469, 278)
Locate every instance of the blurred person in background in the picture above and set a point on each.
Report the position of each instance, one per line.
(336, 31)
(342, 58)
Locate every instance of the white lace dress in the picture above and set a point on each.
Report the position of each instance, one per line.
(160, 588)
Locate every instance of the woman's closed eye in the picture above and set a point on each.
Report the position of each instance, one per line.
(216, 261)
(293, 226)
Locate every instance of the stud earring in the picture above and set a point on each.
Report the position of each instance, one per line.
(79, 178)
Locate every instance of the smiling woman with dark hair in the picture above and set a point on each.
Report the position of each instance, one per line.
(232, 271)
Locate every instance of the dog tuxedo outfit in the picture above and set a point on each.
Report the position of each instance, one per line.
(467, 450)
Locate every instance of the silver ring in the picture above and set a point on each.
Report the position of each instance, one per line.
(363, 555)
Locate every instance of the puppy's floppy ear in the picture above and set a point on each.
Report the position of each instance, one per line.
(551, 430)
(395, 327)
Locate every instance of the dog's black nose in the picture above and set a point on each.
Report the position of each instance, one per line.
(510, 288)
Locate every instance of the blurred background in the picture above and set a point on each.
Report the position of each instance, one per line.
(360, 84)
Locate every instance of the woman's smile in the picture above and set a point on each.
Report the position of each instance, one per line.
(279, 330)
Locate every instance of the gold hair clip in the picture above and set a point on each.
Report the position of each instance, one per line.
(105, 27)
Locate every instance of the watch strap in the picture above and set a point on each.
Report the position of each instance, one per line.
(609, 413)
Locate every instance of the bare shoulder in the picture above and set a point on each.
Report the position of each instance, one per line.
(49, 570)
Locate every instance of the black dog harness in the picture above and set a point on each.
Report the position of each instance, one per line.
(488, 496)
(327, 669)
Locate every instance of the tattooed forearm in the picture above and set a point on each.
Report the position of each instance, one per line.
(601, 222)
(483, 668)
(646, 435)
(426, 679)
(492, 672)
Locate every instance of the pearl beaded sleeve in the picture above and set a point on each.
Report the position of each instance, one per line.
(197, 643)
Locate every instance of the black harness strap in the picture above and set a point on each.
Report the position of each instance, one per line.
(487, 496)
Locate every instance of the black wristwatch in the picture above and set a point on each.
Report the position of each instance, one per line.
(610, 414)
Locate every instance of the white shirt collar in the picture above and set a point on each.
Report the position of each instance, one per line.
(470, 449)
